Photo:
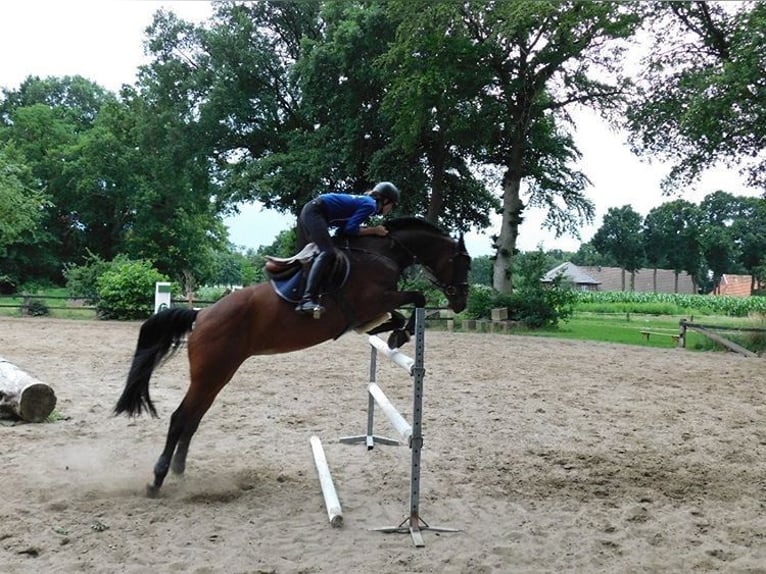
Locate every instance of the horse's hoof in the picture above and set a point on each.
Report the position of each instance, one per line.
(152, 491)
(398, 338)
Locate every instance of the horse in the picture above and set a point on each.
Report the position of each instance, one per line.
(256, 320)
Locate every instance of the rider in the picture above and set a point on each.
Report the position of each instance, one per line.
(347, 213)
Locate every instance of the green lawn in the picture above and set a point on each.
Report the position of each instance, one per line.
(626, 328)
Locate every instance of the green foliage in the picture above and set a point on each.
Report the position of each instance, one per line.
(532, 304)
(7, 285)
(694, 304)
(82, 280)
(481, 270)
(126, 290)
(415, 279)
(588, 256)
(211, 293)
(701, 103)
(620, 237)
(481, 300)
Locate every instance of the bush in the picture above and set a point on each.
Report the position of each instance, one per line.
(534, 307)
(82, 280)
(37, 308)
(481, 301)
(126, 290)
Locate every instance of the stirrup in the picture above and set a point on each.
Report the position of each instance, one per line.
(310, 307)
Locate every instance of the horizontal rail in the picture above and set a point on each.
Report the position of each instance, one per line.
(396, 356)
(395, 418)
(724, 328)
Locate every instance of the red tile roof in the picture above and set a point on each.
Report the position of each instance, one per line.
(734, 286)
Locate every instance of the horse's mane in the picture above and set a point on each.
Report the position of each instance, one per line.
(399, 223)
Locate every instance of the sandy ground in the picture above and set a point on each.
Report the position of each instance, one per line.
(549, 455)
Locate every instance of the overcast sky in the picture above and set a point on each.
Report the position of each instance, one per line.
(102, 40)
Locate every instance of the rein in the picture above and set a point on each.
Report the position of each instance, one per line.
(450, 289)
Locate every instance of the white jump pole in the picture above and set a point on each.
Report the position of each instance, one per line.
(394, 417)
(394, 354)
(377, 396)
(334, 511)
(413, 524)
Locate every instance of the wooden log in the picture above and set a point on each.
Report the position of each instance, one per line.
(22, 396)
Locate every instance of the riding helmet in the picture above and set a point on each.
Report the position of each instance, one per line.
(387, 190)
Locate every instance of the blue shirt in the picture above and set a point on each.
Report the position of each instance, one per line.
(348, 212)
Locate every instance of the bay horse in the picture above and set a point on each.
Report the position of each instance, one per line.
(257, 321)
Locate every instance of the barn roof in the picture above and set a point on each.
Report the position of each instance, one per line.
(734, 285)
(611, 278)
(570, 272)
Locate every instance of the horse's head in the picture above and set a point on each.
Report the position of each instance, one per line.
(444, 257)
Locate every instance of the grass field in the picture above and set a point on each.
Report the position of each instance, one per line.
(627, 328)
(618, 328)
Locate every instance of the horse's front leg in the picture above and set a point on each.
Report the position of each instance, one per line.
(395, 321)
(400, 336)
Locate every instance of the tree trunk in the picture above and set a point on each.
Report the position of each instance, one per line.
(22, 396)
(436, 199)
(505, 244)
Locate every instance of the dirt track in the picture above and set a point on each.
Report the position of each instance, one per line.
(550, 455)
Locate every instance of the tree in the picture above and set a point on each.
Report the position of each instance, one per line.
(44, 122)
(749, 231)
(481, 271)
(535, 60)
(671, 237)
(719, 251)
(21, 216)
(588, 256)
(240, 68)
(702, 101)
(433, 76)
(717, 213)
(620, 237)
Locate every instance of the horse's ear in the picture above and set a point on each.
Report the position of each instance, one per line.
(461, 242)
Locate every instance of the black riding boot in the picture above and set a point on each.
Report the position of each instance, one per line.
(309, 304)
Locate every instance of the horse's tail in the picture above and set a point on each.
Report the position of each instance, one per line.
(158, 334)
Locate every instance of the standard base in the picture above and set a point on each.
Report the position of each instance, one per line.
(415, 528)
(369, 440)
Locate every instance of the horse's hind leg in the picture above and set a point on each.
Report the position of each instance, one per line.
(163, 463)
(185, 421)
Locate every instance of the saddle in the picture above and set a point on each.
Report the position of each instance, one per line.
(287, 275)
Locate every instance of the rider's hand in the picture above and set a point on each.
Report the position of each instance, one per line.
(379, 230)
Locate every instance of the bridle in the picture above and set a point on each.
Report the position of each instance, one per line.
(449, 289)
(452, 289)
